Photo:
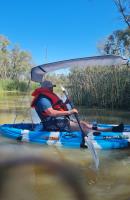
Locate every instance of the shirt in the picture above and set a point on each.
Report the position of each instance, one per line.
(43, 104)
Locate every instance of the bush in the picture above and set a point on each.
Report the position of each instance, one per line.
(13, 85)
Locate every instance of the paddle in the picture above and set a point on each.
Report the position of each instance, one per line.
(89, 143)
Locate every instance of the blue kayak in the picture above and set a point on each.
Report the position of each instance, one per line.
(33, 133)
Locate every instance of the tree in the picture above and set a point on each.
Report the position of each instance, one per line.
(20, 63)
(124, 9)
(4, 56)
(118, 43)
(14, 63)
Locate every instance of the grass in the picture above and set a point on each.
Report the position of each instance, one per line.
(102, 87)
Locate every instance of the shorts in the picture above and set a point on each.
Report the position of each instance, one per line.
(57, 124)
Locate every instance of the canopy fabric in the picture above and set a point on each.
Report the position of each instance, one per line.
(38, 72)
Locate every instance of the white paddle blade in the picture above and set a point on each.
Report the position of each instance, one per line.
(62, 88)
(93, 152)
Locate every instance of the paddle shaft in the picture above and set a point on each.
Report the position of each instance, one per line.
(76, 117)
(89, 143)
(78, 121)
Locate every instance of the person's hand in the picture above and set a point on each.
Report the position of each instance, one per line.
(73, 111)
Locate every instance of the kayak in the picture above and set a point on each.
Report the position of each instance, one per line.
(34, 134)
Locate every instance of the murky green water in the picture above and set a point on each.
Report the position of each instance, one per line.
(110, 182)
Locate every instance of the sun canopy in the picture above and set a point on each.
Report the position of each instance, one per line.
(38, 72)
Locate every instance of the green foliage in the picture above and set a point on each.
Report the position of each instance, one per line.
(103, 87)
(14, 62)
(118, 43)
(13, 85)
(34, 85)
(20, 63)
(100, 87)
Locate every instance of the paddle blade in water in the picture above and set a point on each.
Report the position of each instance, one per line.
(93, 151)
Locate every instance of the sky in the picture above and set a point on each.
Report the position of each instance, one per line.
(53, 30)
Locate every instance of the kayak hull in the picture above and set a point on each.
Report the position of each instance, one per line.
(32, 133)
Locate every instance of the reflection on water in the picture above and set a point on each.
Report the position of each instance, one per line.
(110, 182)
(15, 106)
(105, 116)
(45, 179)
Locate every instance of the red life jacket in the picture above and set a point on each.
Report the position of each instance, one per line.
(57, 103)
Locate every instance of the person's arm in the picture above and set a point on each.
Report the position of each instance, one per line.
(56, 113)
(46, 107)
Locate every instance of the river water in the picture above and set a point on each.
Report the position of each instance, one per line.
(111, 181)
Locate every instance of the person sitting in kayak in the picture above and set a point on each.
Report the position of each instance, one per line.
(55, 115)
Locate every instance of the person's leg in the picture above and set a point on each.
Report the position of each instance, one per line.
(86, 127)
(119, 128)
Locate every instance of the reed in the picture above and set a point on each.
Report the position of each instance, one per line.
(102, 87)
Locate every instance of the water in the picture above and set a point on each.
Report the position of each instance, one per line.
(34, 183)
